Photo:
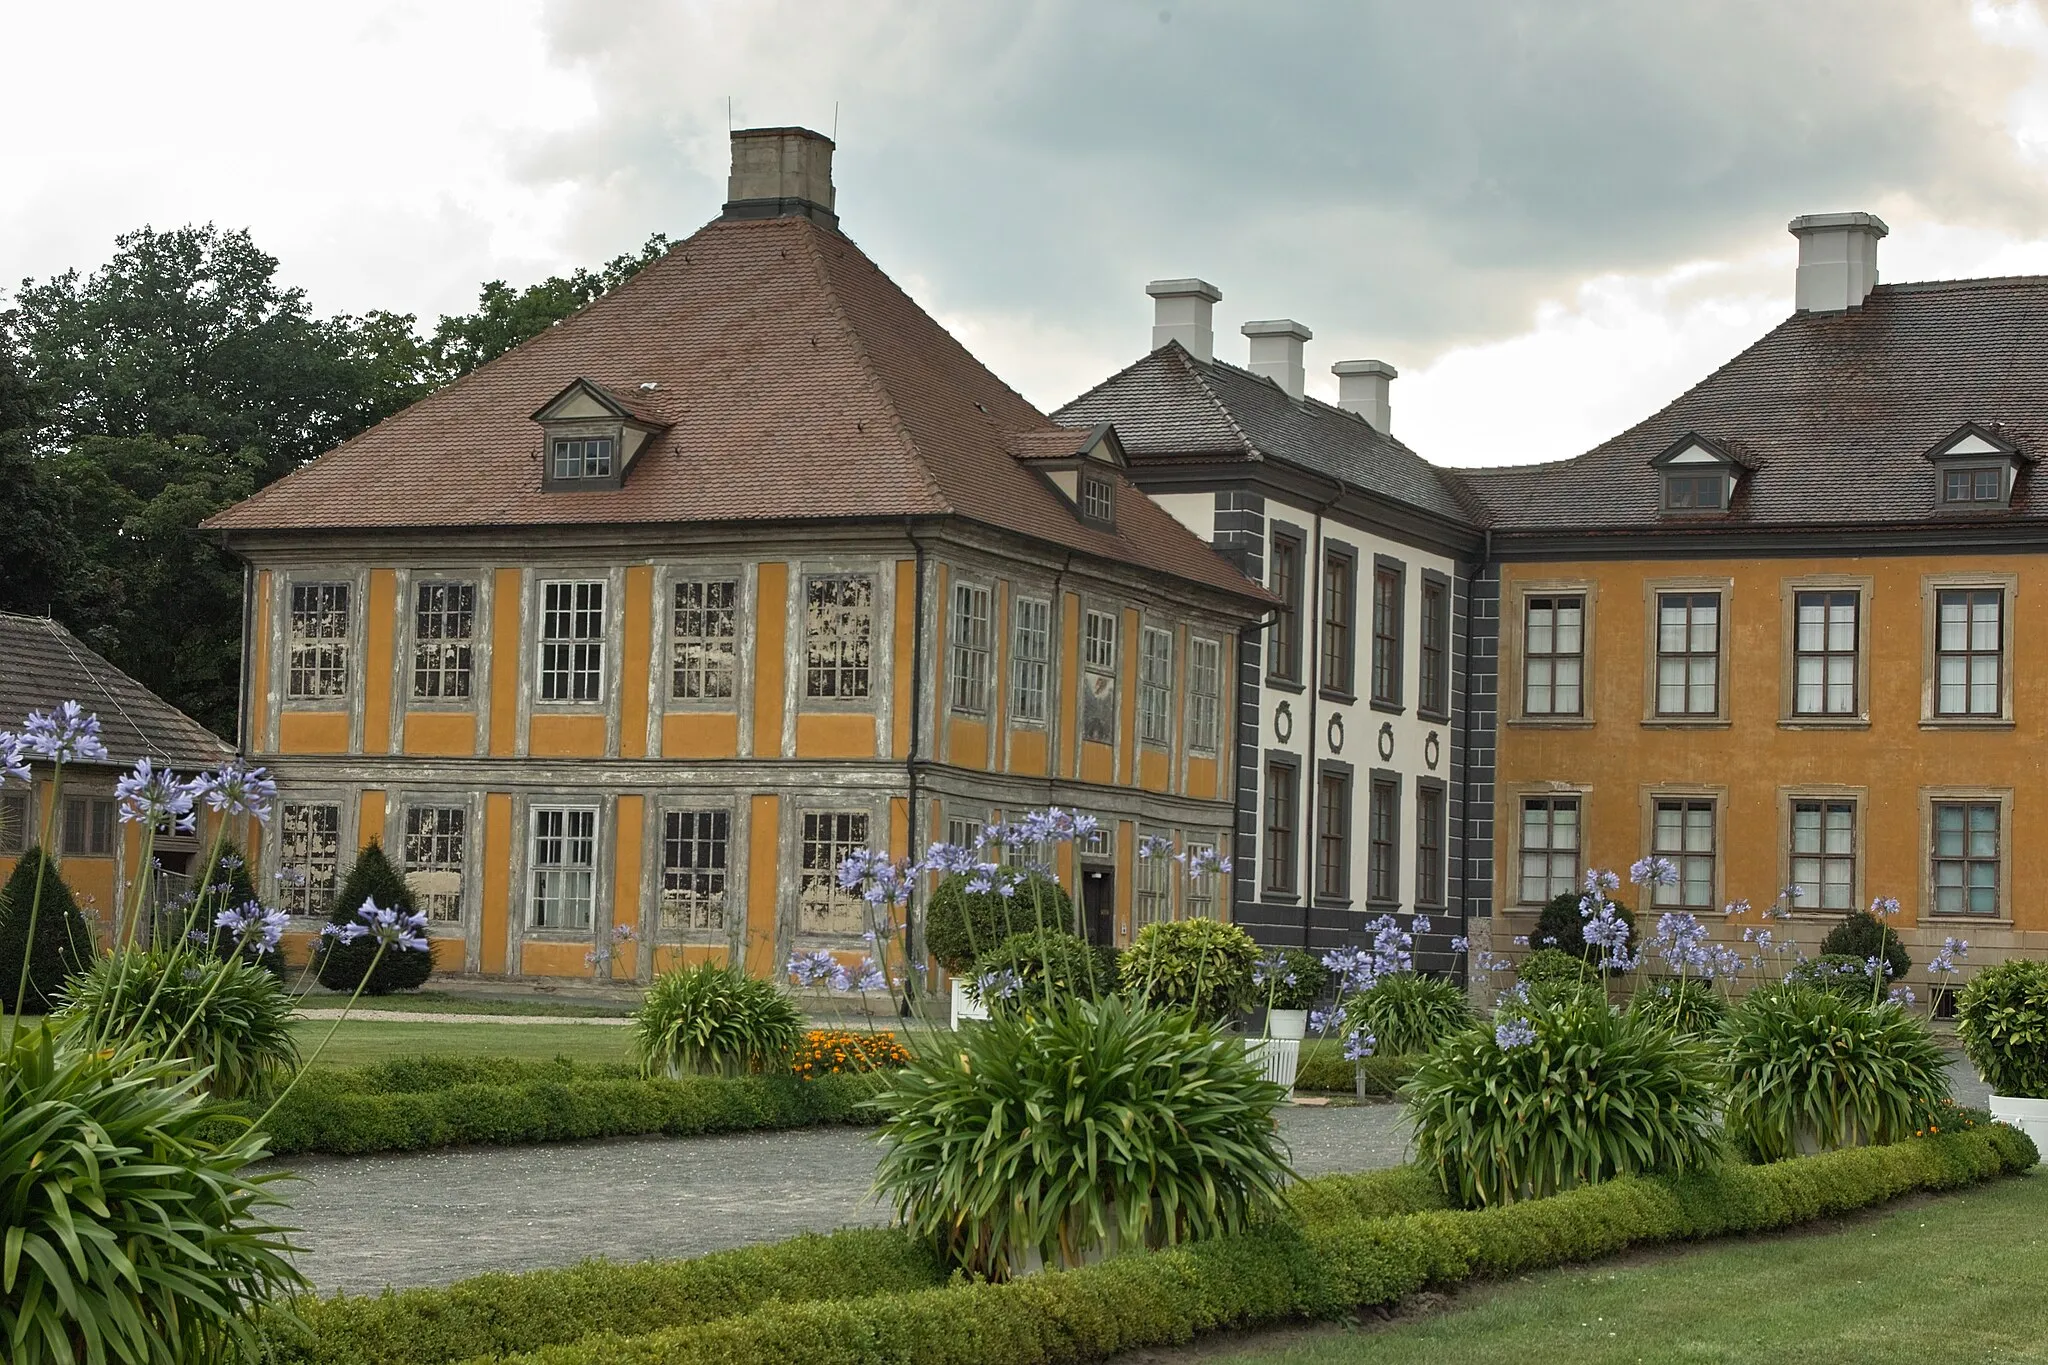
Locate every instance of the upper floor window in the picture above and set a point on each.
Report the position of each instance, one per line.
(1155, 686)
(1975, 468)
(572, 641)
(839, 627)
(581, 457)
(13, 821)
(1973, 485)
(1682, 831)
(1205, 694)
(1098, 679)
(1690, 492)
(1283, 580)
(318, 641)
(823, 905)
(1100, 645)
(1969, 651)
(1386, 635)
(1688, 653)
(1282, 794)
(1824, 649)
(564, 867)
(1030, 658)
(969, 646)
(308, 855)
(703, 641)
(1554, 655)
(443, 636)
(1098, 497)
(433, 848)
(1434, 672)
(1340, 595)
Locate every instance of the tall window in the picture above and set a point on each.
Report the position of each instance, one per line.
(1200, 901)
(1152, 898)
(1969, 645)
(13, 822)
(1429, 844)
(564, 867)
(1433, 673)
(1098, 678)
(823, 905)
(1383, 852)
(308, 852)
(433, 860)
(583, 457)
(1283, 580)
(1155, 686)
(1550, 848)
(1281, 823)
(572, 642)
(1386, 636)
(443, 632)
(1100, 646)
(967, 646)
(88, 826)
(1030, 658)
(1824, 644)
(1554, 655)
(693, 869)
(1965, 857)
(1333, 835)
(1824, 854)
(703, 639)
(318, 641)
(1688, 653)
(1340, 590)
(1683, 831)
(839, 627)
(1205, 694)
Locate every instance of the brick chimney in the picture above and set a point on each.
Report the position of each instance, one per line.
(781, 173)
(1276, 352)
(1362, 388)
(1837, 260)
(1185, 311)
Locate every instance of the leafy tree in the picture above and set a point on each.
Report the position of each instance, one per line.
(504, 317)
(62, 945)
(342, 965)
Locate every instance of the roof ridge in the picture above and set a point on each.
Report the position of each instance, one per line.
(1961, 282)
(1194, 367)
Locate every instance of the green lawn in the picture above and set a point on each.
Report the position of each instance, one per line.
(456, 1002)
(367, 1040)
(1955, 1278)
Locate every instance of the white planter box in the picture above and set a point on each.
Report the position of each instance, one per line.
(963, 1004)
(1287, 1024)
(2029, 1116)
(1280, 1056)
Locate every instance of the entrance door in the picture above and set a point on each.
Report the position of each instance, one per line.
(1098, 904)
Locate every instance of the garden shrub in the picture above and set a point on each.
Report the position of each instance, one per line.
(225, 1015)
(1407, 1012)
(63, 942)
(838, 1052)
(1685, 1005)
(1034, 968)
(343, 965)
(1091, 1122)
(714, 1020)
(960, 925)
(1808, 1067)
(1549, 974)
(1559, 925)
(1289, 979)
(1862, 935)
(1837, 973)
(1573, 1094)
(1196, 964)
(1323, 1067)
(2002, 1020)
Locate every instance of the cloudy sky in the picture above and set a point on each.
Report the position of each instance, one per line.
(1550, 217)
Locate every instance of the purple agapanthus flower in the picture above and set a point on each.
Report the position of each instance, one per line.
(155, 798)
(1510, 1034)
(236, 789)
(1359, 1045)
(13, 757)
(1884, 907)
(1653, 872)
(812, 968)
(396, 932)
(68, 734)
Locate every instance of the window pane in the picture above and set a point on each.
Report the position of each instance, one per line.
(838, 631)
(823, 905)
(704, 640)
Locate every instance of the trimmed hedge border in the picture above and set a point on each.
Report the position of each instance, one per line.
(1334, 1263)
(412, 1103)
(1323, 1067)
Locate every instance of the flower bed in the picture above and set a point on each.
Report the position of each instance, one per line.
(833, 1052)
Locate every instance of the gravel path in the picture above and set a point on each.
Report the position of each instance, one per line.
(423, 1017)
(429, 1218)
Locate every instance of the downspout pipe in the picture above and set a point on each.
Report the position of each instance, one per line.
(1312, 645)
(916, 702)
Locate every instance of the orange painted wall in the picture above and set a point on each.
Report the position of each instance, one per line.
(670, 956)
(1070, 687)
(700, 734)
(312, 732)
(380, 649)
(505, 663)
(1153, 769)
(259, 663)
(635, 660)
(497, 864)
(444, 734)
(1098, 762)
(1029, 753)
(370, 820)
(762, 885)
(770, 658)
(551, 736)
(626, 878)
(1202, 779)
(448, 954)
(554, 959)
(904, 705)
(966, 742)
(826, 734)
(1127, 698)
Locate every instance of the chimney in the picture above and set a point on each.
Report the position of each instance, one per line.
(781, 173)
(1276, 353)
(1362, 388)
(1184, 311)
(1837, 260)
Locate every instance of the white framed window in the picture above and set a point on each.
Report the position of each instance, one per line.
(433, 851)
(317, 641)
(1549, 848)
(839, 628)
(1969, 651)
(1098, 497)
(1205, 694)
(1152, 892)
(308, 856)
(583, 457)
(695, 847)
(564, 866)
(443, 640)
(968, 648)
(1099, 644)
(572, 641)
(823, 905)
(1682, 830)
(1155, 685)
(1030, 658)
(1824, 645)
(704, 639)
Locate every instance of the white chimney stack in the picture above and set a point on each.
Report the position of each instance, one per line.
(1837, 260)
(1276, 353)
(1185, 311)
(1362, 388)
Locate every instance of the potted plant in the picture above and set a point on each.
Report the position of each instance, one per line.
(2002, 1019)
(1288, 982)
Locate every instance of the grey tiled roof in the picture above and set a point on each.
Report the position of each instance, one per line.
(1832, 413)
(42, 664)
(1170, 405)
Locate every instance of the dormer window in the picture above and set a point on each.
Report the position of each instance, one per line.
(592, 435)
(1974, 469)
(1098, 498)
(1697, 476)
(584, 457)
(1696, 492)
(1972, 485)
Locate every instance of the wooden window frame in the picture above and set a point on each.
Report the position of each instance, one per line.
(1930, 797)
(1718, 797)
(1789, 717)
(1280, 766)
(1514, 662)
(457, 655)
(1332, 879)
(970, 647)
(1155, 686)
(1205, 695)
(1809, 907)
(535, 868)
(703, 669)
(670, 836)
(1436, 607)
(837, 898)
(1031, 648)
(854, 684)
(1389, 660)
(1931, 588)
(1337, 622)
(1432, 844)
(574, 671)
(1383, 855)
(1513, 799)
(1284, 656)
(345, 643)
(1653, 591)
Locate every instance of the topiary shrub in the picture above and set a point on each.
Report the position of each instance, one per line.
(2002, 1020)
(715, 1020)
(228, 1016)
(342, 965)
(1560, 925)
(1092, 1125)
(1560, 1096)
(1407, 1012)
(62, 943)
(1687, 1006)
(1808, 1070)
(1032, 969)
(960, 925)
(1848, 977)
(1196, 964)
(1289, 979)
(1862, 935)
(1550, 974)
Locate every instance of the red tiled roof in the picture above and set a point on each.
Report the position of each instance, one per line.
(796, 381)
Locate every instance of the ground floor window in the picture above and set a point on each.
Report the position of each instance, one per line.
(1152, 898)
(1683, 833)
(694, 846)
(1966, 857)
(564, 867)
(1550, 848)
(433, 860)
(823, 905)
(308, 856)
(1200, 901)
(1824, 854)
(88, 826)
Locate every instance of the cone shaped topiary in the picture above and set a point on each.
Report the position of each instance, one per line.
(342, 965)
(62, 944)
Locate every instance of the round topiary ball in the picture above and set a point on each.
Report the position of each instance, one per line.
(1196, 964)
(1862, 935)
(960, 925)
(1031, 969)
(2002, 1020)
